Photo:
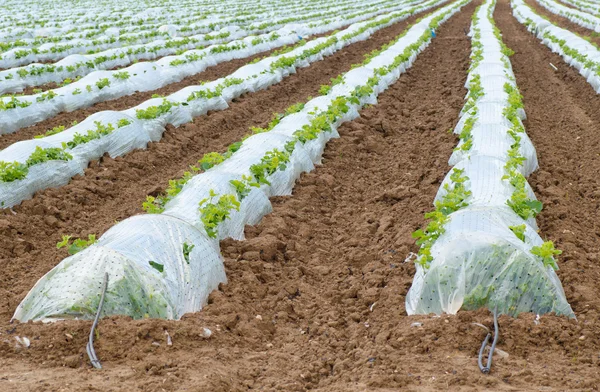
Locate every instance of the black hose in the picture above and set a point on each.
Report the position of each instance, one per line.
(486, 369)
(90, 345)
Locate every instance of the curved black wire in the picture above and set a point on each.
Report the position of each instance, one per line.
(486, 369)
(90, 345)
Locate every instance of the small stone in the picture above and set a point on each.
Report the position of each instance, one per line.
(22, 342)
(259, 317)
(206, 333)
(155, 344)
(416, 325)
(72, 361)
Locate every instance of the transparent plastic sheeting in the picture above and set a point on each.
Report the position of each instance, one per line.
(127, 54)
(167, 21)
(161, 20)
(135, 288)
(71, 289)
(580, 18)
(166, 73)
(12, 58)
(478, 261)
(148, 76)
(139, 132)
(88, 20)
(541, 26)
(583, 6)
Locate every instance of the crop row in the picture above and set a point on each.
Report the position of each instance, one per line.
(55, 51)
(73, 67)
(164, 265)
(481, 247)
(581, 18)
(179, 23)
(50, 161)
(575, 50)
(592, 8)
(32, 25)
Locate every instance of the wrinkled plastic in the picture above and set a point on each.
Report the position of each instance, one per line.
(540, 27)
(140, 131)
(478, 261)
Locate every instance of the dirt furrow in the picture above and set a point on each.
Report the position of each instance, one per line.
(114, 189)
(315, 298)
(211, 73)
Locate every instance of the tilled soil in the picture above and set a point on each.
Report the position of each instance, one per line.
(210, 74)
(315, 298)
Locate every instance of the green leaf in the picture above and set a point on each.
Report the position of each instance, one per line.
(156, 266)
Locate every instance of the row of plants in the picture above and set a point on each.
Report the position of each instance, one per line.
(480, 247)
(42, 17)
(258, 176)
(12, 195)
(88, 27)
(589, 7)
(575, 50)
(217, 208)
(581, 18)
(21, 56)
(186, 25)
(283, 62)
(82, 32)
(37, 74)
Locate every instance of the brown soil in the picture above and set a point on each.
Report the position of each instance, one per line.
(43, 87)
(315, 298)
(563, 22)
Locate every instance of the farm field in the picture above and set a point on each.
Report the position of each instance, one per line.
(306, 273)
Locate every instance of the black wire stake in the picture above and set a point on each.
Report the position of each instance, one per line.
(90, 345)
(486, 369)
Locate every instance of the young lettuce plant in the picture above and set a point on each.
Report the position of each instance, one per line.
(77, 245)
(215, 209)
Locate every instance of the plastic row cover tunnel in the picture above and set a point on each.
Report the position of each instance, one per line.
(181, 107)
(481, 248)
(163, 265)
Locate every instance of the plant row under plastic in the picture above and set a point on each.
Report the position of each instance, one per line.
(165, 264)
(580, 18)
(71, 68)
(180, 23)
(34, 13)
(50, 161)
(575, 50)
(46, 52)
(48, 24)
(481, 246)
(590, 7)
